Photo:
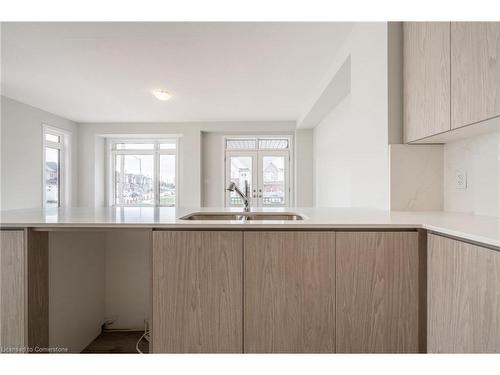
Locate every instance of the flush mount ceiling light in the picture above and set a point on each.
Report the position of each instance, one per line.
(162, 94)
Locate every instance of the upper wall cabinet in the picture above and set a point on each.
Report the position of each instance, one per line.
(451, 79)
(475, 72)
(426, 79)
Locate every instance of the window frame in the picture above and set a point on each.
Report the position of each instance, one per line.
(63, 146)
(156, 152)
(290, 180)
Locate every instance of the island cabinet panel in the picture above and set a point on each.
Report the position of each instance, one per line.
(13, 291)
(289, 292)
(475, 72)
(464, 297)
(377, 292)
(426, 56)
(197, 292)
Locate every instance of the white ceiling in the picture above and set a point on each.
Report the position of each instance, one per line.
(104, 72)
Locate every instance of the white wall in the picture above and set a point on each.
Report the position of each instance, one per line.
(480, 157)
(212, 167)
(351, 166)
(304, 188)
(97, 276)
(76, 288)
(128, 278)
(191, 156)
(21, 154)
(200, 175)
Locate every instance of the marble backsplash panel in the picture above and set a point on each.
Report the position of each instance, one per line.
(479, 158)
(416, 173)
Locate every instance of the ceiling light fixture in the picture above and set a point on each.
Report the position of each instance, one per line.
(162, 94)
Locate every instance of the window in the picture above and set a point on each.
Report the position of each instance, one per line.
(143, 172)
(264, 162)
(55, 159)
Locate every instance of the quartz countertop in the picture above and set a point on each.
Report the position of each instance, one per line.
(481, 229)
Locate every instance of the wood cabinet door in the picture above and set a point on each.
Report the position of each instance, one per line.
(475, 72)
(197, 292)
(426, 79)
(464, 297)
(289, 291)
(13, 291)
(377, 292)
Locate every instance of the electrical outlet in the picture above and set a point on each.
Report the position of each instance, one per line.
(460, 179)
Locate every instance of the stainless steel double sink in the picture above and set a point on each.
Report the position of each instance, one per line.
(244, 216)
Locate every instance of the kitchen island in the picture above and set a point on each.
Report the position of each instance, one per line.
(482, 229)
(337, 281)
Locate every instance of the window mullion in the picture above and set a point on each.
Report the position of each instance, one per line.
(122, 175)
(157, 178)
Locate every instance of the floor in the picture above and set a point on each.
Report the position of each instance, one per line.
(117, 342)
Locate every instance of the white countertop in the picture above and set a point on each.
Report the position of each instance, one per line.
(482, 229)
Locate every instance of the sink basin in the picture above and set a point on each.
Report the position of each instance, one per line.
(213, 216)
(243, 216)
(274, 216)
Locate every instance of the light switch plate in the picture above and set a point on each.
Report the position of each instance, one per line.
(460, 179)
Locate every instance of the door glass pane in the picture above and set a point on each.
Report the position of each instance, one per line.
(167, 180)
(240, 170)
(134, 179)
(52, 177)
(273, 181)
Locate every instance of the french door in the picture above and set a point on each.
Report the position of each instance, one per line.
(267, 173)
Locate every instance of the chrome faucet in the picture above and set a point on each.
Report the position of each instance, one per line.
(245, 196)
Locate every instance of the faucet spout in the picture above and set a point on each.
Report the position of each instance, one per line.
(245, 196)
